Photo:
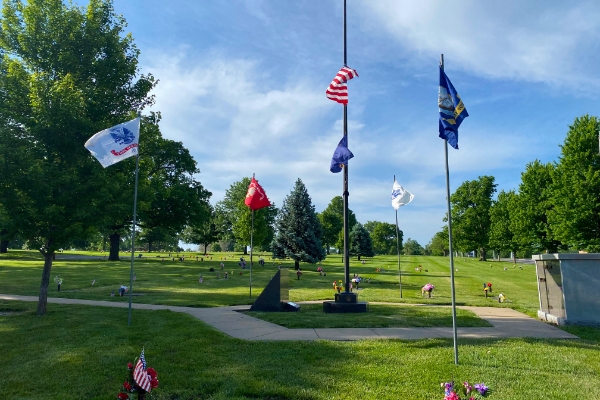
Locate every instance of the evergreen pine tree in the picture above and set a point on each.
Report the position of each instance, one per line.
(360, 242)
(299, 231)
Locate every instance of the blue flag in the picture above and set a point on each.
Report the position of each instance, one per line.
(341, 155)
(452, 110)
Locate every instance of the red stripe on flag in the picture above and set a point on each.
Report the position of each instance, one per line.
(141, 376)
(338, 90)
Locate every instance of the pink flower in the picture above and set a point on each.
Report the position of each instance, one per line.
(468, 388)
(452, 396)
(129, 365)
(127, 386)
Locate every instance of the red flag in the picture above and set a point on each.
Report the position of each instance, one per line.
(256, 197)
(338, 89)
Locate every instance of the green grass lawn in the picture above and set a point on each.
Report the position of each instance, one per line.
(80, 352)
(176, 283)
(378, 316)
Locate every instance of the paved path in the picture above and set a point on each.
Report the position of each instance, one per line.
(507, 323)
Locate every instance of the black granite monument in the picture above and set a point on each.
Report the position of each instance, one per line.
(276, 295)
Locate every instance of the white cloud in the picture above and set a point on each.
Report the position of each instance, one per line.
(550, 42)
(236, 122)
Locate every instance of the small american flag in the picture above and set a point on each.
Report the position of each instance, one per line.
(140, 375)
(338, 89)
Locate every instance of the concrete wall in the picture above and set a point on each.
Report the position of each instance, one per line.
(580, 281)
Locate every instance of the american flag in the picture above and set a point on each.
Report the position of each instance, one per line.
(140, 375)
(338, 89)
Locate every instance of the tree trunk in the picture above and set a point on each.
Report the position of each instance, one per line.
(115, 242)
(205, 247)
(43, 299)
(149, 247)
(3, 246)
(296, 265)
(514, 254)
(359, 257)
(327, 249)
(245, 250)
(482, 253)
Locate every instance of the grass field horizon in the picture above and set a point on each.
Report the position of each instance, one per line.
(176, 283)
(81, 351)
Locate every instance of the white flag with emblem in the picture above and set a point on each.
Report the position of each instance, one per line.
(400, 196)
(116, 143)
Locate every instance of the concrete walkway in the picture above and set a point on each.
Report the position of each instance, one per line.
(507, 323)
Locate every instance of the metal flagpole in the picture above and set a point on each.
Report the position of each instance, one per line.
(398, 248)
(345, 189)
(137, 164)
(455, 334)
(251, 247)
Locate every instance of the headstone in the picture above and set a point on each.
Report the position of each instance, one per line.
(275, 295)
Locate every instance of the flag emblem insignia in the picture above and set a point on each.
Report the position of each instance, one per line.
(452, 110)
(400, 196)
(256, 198)
(122, 135)
(115, 143)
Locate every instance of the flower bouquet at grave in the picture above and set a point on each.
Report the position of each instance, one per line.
(465, 392)
(428, 288)
(140, 380)
(58, 280)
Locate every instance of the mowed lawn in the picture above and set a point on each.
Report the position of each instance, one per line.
(176, 283)
(81, 351)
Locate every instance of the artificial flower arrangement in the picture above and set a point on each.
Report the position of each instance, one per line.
(140, 380)
(428, 288)
(58, 280)
(467, 391)
(338, 285)
(487, 288)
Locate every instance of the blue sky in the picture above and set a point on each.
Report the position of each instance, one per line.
(242, 85)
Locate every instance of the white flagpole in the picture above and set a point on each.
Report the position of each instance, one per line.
(137, 164)
(398, 248)
(455, 334)
(251, 246)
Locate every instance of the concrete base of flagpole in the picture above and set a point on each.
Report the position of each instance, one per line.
(345, 302)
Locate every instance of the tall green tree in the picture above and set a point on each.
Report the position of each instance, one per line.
(502, 237)
(298, 230)
(575, 217)
(361, 244)
(234, 219)
(471, 204)
(169, 198)
(176, 198)
(71, 72)
(529, 215)
(439, 244)
(383, 235)
(204, 233)
(412, 248)
(332, 221)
